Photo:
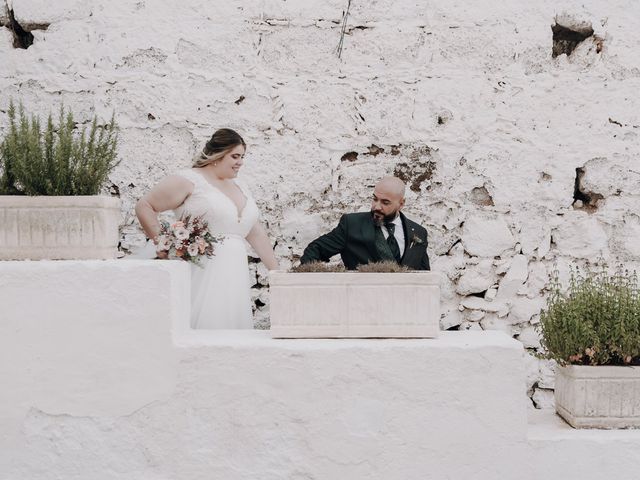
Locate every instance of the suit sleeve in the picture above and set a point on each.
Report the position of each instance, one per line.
(424, 261)
(328, 245)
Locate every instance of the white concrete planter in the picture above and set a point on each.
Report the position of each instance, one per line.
(598, 397)
(58, 228)
(351, 304)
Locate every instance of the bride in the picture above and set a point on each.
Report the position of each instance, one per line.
(220, 295)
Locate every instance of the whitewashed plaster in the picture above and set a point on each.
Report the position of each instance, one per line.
(463, 99)
(102, 379)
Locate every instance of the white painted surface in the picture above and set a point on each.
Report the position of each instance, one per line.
(558, 451)
(514, 120)
(104, 389)
(355, 304)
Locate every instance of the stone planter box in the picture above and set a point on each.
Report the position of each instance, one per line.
(598, 397)
(58, 228)
(351, 304)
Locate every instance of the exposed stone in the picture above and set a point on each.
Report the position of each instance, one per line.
(491, 294)
(535, 235)
(477, 278)
(524, 309)
(627, 235)
(543, 398)
(580, 235)
(477, 303)
(470, 326)
(474, 315)
(493, 322)
(486, 236)
(515, 277)
(537, 279)
(547, 378)
(529, 337)
(450, 318)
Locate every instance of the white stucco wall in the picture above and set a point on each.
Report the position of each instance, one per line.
(464, 98)
(101, 379)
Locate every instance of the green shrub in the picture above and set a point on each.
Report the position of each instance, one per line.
(597, 322)
(58, 161)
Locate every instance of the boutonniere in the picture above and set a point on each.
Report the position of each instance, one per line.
(415, 240)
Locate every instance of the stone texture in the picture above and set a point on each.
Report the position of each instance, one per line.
(543, 398)
(477, 278)
(581, 235)
(476, 303)
(486, 236)
(524, 309)
(530, 337)
(515, 277)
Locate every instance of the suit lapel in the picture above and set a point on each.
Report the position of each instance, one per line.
(407, 232)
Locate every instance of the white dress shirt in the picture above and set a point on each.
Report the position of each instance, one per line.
(398, 233)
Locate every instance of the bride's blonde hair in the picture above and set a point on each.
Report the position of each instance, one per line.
(217, 147)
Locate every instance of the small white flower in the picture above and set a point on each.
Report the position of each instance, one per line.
(163, 244)
(181, 233)
(192, 250)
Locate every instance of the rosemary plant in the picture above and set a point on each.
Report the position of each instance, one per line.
(58, 160)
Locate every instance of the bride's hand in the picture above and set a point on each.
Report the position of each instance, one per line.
(162, 255)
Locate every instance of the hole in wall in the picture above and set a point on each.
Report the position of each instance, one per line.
(349, 157)
(583, 200)
(568, 34)
(21, 32)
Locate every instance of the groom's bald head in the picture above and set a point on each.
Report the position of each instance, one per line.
(391, 185)
(388, 199)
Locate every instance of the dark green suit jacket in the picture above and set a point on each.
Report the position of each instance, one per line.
(354, 240)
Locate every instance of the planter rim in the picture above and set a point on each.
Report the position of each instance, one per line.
(280, 277)
(595, 371)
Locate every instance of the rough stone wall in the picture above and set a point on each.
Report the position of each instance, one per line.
(518, 157)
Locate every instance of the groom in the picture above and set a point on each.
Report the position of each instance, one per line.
(382, 234)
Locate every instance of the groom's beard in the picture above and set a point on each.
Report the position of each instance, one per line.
(380, 218)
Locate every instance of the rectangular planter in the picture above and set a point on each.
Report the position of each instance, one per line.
(598, 397)
(352, 304)
(58, 228)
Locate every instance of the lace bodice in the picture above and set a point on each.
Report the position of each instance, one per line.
(217, 208)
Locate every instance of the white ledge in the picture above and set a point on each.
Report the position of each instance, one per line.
(468, 340)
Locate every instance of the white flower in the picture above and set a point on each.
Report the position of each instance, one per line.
(163, 244)
(192, 250)
(181, 233)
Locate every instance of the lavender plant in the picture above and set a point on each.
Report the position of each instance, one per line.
(597, 322)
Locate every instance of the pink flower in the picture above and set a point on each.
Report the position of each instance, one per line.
(202, 245)
(178, 224)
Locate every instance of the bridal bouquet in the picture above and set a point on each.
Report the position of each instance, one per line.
(188, 239)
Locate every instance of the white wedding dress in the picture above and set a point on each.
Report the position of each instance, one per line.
(220, 296)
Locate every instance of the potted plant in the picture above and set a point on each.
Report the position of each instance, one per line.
(381, 299)
(49, 186)
(593, 332)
